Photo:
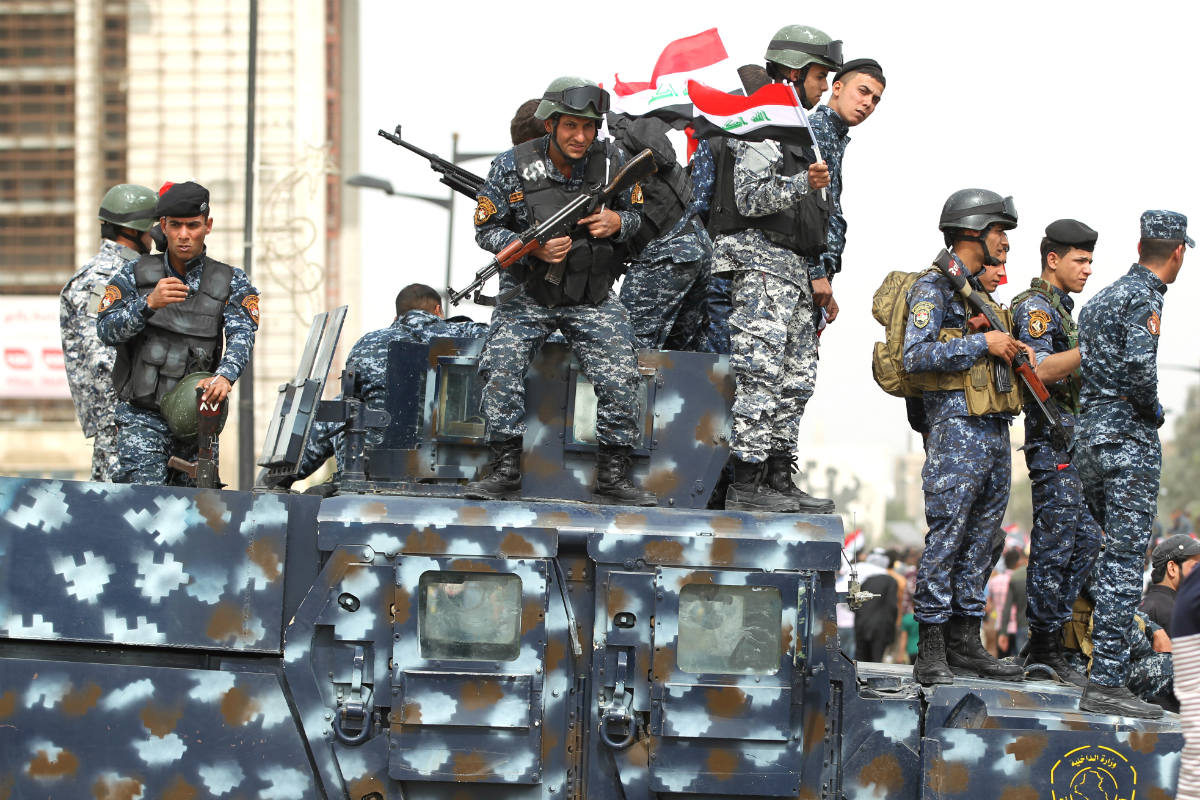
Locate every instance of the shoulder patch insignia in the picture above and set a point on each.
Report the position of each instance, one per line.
(484, 210)
(921, 313)
(1039, 323)
(250, 303)
(516, 197)
(1153, 323)
(111, 295)
(636, 197)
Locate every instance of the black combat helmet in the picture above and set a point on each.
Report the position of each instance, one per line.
(976, 210)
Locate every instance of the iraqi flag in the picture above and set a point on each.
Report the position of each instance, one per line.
(773, 112)
(701, 58)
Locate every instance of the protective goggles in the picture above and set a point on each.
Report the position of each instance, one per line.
(1004, 208)
(830, 52)
(579, 98)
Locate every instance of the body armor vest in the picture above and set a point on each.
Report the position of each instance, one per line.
(667, 192)
(1066, 391)
(593, 264)
(782, 228)
(178, 339)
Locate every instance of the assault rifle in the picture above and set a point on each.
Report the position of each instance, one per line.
(454, 176)
(204, 469)
(1020, 363)
(562, 223)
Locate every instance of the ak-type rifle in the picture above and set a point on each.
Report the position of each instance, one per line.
(1021, 364)
(562, 223)
(204, 470)
(454, 176)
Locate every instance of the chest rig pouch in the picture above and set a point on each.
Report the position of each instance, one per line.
(593, 264)
(1066, 391)
(178, 339)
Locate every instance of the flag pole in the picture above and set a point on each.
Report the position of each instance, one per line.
(804, 116)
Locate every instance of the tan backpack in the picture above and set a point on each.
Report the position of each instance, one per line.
(890, 309)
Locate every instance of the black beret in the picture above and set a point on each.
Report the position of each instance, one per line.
(1072, 233)
(187, 199)
(855, 65)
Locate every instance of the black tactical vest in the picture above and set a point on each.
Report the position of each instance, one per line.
(593, 264)
(666, 193)
(178, 339)
(783, 227)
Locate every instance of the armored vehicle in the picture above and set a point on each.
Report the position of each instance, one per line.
(395, 640)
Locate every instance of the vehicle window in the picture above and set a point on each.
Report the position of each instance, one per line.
(469, 615)
(583, 420)
(458, 401)
(729, 629)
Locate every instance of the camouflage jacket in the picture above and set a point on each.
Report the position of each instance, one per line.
(759, 189)
(1037, 323)
(123, 313)
(1118, 348)
(832, 135)
(88, 360)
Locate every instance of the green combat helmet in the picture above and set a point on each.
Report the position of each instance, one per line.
(578, 97)
(797, 46)
(178, 408)
(130, 206)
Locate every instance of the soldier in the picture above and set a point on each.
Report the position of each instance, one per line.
(525, 125)
(1065, 539)
(1118, 453)
(967, 461)
(166, 314)
(531, 181)
(664, 288)
(774, 342)
(419, 318)
(126, 215)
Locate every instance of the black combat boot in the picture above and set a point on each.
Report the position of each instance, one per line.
(966, 655)
(612, 477)
(748, 491)
(1116, 700)
(1046, 650)
(503, 481)
(931, 667)
(780, 467)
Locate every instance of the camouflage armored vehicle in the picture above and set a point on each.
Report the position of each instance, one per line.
(398, 641)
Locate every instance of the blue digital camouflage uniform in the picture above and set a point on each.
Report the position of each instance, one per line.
(774, 337)
(968, 466)
(599, 335)
(1065, 538)
(369, 358)
(665, 285)
(144, 443)
(832, 135)
(1118, 452)
(1151, 674)
(88, 360)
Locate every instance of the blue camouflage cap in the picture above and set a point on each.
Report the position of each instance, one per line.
(1165, 225)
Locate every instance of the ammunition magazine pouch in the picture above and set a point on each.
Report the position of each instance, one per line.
(978, 383)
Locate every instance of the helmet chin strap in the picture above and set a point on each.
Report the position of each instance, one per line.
(558, 147)
(799, 84)
(989, 260)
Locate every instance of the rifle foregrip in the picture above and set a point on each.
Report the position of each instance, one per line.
(1025, 370)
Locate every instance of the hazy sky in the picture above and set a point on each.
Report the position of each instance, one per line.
(1074, 110)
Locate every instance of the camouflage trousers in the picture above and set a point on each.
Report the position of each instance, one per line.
(104, 453)
(1064, 540)
(144, 443)
(600, 337)
(665, 301)
(718, 304)
(968, 469)
(774, 361)
(1120, 482)
(1150, 676)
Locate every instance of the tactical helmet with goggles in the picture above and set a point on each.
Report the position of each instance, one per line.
(180, 409)
(577, 97)
(798, 46)
(977, 210)
(129, 206)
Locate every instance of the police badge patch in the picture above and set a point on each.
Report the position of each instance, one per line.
(250, 303)
(111, 295)
(1153, 323)
(484, 211)
(1039, 323)
(921, 313)
(636, 196)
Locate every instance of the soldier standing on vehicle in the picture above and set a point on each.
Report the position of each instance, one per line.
(528, 183)
(1065, 539)
(967, 460)
(126, 216)
(774, 341)
(167, 314)
(1118, 453)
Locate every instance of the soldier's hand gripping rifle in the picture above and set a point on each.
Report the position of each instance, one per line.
(204, 469)
(1020, 363)
(454, 176)
(563, 223)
